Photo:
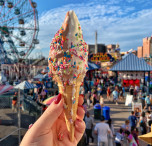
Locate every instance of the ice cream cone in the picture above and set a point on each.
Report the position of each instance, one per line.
(71, 104)
(68, 65)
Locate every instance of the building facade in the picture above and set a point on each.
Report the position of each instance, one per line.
(140, 51)
(101, 48)
(146, 49)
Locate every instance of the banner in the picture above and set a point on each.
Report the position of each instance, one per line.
(137, 106)
(129, 99)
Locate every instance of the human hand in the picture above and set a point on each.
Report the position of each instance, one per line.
(50, 129)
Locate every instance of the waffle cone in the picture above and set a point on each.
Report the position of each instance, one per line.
(66, 92)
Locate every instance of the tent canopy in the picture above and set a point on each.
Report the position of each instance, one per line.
(39, 76)
(131, 63)
(93, 66)
(24, 85)
(5, 88)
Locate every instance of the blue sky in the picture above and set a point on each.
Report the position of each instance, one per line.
(125, 22)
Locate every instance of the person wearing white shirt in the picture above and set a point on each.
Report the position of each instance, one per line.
(89, 125)
(102, 130)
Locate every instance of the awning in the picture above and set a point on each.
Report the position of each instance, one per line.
(39, 76)
(5, 88)
(24, 85)
(131, 63)
(93, 66)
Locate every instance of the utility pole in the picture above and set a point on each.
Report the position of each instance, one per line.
(96, 46)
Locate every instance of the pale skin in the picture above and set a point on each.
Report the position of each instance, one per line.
(45, 130)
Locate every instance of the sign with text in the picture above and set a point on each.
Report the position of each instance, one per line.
(102, 57)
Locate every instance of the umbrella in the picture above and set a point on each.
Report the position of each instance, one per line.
(5, 88)
(24, 85)
(147, 137)
(49, 100)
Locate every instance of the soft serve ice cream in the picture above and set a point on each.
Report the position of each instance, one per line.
(68, 51)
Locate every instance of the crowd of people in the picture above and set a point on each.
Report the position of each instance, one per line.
(136, 124)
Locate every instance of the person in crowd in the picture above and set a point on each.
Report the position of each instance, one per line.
(134, 132)
(140, 95)
(149, 119)
(88, 97)
(142, 123)
(39, 90)
(130, 139)
(123, 89)
(147, 103)
(94, 98)
(14, 102)
(99, 89)
(101, 81)
(96, 83)
(131, 90)
(51, 130)
(108, 93)
(126, 126)
(112, 133)
(137, 88)
(101, 101)
(135, 94)
(119, 137)
(133, 120)
(121, 93)
(43, 94)
(115, 94)
(89, 125)
(137, 113)
(102, 130)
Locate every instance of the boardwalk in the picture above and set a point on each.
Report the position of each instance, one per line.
(119, 113)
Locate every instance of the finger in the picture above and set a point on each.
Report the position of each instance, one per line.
(79, 129)
(45, 122)
(80, 113)
(81, 99)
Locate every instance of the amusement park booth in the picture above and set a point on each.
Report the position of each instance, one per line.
(132, 71)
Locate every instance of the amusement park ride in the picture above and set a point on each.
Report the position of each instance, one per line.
(18, 34)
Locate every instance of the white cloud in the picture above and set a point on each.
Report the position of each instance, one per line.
(114, 23)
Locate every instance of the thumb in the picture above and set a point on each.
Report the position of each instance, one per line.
(46, 121)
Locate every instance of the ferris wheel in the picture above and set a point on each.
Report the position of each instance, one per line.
(18, 29)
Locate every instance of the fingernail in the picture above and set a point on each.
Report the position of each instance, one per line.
(58, 99)
(81, 95)
(82, 106)
(79, 120)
